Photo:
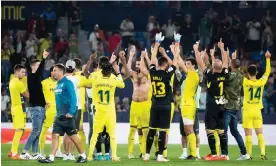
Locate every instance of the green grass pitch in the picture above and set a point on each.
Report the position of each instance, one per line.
(174, 152)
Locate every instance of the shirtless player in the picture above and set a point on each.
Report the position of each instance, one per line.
(141, 102)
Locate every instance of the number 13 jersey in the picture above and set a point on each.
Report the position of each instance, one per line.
(161, 88)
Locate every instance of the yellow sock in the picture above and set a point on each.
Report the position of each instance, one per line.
(155, 142)
(192, 144)
(217, 142)
(248, 143)
(261, 143)
(93, 142)
(141, 143)
(131, 138)
(145, 134)
(82, 137)
(16, 141)
(60, 138)
(113, 144)
(42, 139)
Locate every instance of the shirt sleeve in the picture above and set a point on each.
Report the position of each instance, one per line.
(207, 72)
(171, 70)
(72, 96)
(152, 67)
(22, 87)
(120, 82)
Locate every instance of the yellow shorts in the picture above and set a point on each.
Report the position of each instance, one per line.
(140, 114)
(107, 119)
(18, 117)
(50, 115)
(252, 118)
(188, 111)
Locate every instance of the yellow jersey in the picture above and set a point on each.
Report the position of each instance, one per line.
(16, 89)
(48, 88)
(24, 80)
(81, 94)
(253, 90)
(189, 92)
(104, 90)
(94, 74)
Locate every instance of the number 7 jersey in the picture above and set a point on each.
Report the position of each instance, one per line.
(161, 87)
(104, 90)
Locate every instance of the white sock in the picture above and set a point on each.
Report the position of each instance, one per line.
(51, 157)
(185, 150)
(83, 155)
(160, 156)
(197, 152)
(106, 153)
(99, 154)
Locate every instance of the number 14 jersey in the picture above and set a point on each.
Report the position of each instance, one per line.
(161, 88)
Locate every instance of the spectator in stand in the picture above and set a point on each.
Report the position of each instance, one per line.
(73, 45)
(238, 34)
(96, 39)
(74, 18)
(32, 24)
(126, 104)
(188, 35)
(6, 52)
(253, 36)
(30, 46)
(178, 17)
(114, 41)
(45, 44)
(19, 45)
(267, 17)
(204, 31)
(127, 28)
(49, 62)
(224, 31)
(60, 48)
(267, 37)
(152, 28)
(49, 16)
(272, 89)
(5, 105)
(168, 30)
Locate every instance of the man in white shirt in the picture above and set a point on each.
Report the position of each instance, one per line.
(30, 43)
(93, 38)
(127, 28)
(253, 36)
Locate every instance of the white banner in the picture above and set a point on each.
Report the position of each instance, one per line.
(122, 130)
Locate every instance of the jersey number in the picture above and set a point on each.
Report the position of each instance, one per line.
(220, 88)
(101, 94)
(158, 88)
(257, 94)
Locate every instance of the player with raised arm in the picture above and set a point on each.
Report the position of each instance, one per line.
(188, 103)
(104, 87)
(216, 78)
(160, 114)
(140, 105)
(252, 104)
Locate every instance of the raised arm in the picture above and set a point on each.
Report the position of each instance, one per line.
(223, 54)
(42, 63)
(199, 61)
(88, 65)
(158, 39)
(123, 60)
(182, 65)
(177, 38)
(143, 67)
(130, 59)
(267, 66)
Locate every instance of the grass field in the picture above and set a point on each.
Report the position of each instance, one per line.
(173, 154)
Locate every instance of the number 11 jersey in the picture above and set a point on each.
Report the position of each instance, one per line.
(161, 88)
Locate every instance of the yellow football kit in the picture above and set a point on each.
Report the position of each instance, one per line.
(252, 102)
(103, 96)
(18, 111)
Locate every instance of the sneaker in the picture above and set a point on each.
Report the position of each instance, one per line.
(99, 158)
(115, 158)
(190, 157)
(9, 154)
(263, 157)
(212, 157)
(81, 160)
(66, 157)
(224, 157)
(25, 156)
(59, 154)
(162, 159)
(37, 157)
(146, 157)
(107, 157)
(71, 157)
(198, 157)
(183, 156)
(207, 156)
(46, 160)
(15, 157)
(244, 157)
(131, 156)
